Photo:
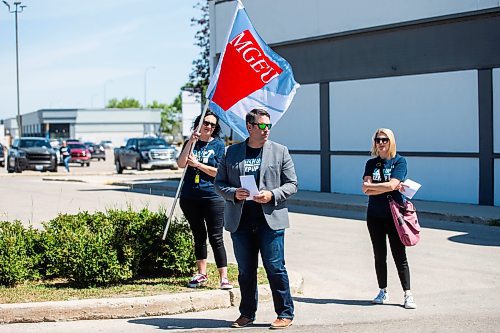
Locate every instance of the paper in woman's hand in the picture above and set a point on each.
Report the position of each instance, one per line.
(248, 183)
(410, 188)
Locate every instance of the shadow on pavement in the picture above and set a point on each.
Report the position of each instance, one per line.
(335, 301)
(328, 212)
(473, 234)
(128, 189)
(186, 323)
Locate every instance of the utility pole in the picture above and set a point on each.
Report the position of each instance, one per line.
(18, 9)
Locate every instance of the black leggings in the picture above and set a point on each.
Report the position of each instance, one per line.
(378, 229)
(206, 217)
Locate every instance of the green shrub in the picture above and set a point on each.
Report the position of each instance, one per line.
(18, 258)
(172, 257)
(80, 248)
(107, 248)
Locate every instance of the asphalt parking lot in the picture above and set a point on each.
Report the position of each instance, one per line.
(34, 196)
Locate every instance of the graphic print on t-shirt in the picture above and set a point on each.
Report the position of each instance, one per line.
(252, 165)
(203, 155)
(376, 174)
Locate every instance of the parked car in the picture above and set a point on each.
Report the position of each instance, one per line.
(145, 153)
(31, 154)
(79, 154)
(108, 144)
(96, 151)
(2, 156)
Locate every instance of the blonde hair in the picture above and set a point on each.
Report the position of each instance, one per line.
(392, 142)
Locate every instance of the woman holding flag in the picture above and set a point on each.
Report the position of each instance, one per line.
(202, 207)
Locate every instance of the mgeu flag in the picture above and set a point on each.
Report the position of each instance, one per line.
(249, 75)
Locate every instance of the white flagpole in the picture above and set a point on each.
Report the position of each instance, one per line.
(169, 219)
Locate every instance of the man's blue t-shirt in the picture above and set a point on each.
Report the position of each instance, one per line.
(378, 205)
(209, 153)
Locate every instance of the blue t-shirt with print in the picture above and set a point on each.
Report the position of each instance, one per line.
(378, 205)
(209, 153)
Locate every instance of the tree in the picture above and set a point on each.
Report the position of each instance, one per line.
(125, 103)
(170, 115)
(200, 74)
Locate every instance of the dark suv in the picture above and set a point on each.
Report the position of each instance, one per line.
(31, 154)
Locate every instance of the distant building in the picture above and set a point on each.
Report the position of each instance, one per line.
(96, 125)
(429, 70)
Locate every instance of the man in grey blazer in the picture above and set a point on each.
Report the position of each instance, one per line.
(257, 224)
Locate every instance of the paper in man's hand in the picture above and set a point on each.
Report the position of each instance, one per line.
(248, 183)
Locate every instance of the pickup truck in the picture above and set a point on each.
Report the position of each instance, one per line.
(145, 153)
(31, 154)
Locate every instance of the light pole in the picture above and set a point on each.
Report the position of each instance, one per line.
(145, 84)
(105, 83)
(18, 9)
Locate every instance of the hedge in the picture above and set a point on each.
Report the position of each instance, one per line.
(96, 249)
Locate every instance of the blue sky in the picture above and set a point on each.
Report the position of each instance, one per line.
(74, 53)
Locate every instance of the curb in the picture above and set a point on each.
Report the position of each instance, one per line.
(133, 307)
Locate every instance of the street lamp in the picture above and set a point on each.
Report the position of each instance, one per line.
(18, 9)
(145, 84)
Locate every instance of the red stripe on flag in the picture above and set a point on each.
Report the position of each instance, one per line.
(245, 68)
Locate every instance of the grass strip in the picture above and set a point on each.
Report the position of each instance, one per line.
(61, 290)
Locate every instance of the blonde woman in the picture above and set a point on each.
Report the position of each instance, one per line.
(383, 176)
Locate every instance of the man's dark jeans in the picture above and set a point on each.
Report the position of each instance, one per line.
(248, 240)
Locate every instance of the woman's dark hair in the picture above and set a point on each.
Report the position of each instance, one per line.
(216, 131)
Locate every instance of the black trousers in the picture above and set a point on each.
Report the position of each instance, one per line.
(206, 219)
(379, 228)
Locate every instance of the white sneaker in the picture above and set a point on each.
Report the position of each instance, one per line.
(409, 302)
(198, 280)
(382, 297)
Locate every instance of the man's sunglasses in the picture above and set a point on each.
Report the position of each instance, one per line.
(381, 140)
(263, 126)
(207, 123)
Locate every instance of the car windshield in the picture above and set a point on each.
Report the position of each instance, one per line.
(148, 142)
(76, 146)
(34, 144)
